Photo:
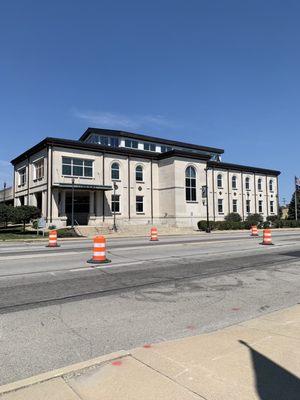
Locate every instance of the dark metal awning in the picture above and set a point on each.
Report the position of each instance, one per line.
(79, 186)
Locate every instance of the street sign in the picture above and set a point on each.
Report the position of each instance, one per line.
(41, 223)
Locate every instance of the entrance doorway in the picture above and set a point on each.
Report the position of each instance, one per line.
(81, 208)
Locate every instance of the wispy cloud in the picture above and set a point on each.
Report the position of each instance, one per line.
(121, 121)
(6, 173)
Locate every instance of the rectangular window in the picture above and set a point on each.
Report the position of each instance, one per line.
(77, 167)
(234, 206)
(149, 146)
(260, 206)
(114, 142)
(271, 206)
(103, 140)
(220, 206)
(115, 203)
(164, 149)
(139, 204)
(248, 208)
(39, 169)
(133, 144)
(22, 177)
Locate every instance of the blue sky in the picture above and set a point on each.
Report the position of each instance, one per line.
(217, 73)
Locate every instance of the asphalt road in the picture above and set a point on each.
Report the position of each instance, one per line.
(55, 309)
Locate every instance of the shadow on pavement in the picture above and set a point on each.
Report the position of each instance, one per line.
(272, 381)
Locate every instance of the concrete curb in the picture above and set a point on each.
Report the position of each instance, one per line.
(126, 236)
(11, 387)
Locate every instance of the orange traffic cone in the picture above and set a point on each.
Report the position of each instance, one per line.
(52, 239)
(99, 252)
(267, 237)
(254, 230)
(153, 235)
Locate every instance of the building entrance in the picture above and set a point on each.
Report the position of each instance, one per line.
(81, 208)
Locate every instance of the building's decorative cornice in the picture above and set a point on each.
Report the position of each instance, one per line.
(244, 168)
(146, 138)
(75, 144)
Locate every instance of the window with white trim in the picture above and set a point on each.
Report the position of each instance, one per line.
(272, 206)
(139, 204)
(149, 146)
(190, 184)
(271, 187)
(77, 167)
(164, 149)
(139, 173)
(220, 206)
(247, 183)
(115, 203)
(220, 181)
(234, 206)
(234, 182)
(22, 177)
(132, 144)
(115, 171)
(259, 184)
(248, 206)
(38, 169)
(260, 206)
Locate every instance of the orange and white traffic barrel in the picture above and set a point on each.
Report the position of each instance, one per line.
(267, 237)
(254, 230)
(99, 251)
(52, 239)
(153, 235)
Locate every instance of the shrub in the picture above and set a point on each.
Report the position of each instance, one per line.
(254, 219)
(24, 214)
(233, 217)
(5, 213)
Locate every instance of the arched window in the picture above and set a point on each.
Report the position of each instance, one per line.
(247, 183)
(259, 185)
(271, 185)
(139, 175)
(115, 171)
(190, 184)
(220, 181)
(233, 182)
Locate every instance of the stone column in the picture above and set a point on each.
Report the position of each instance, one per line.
(99, 206)
(44, 203)
(92, 203)
(63, 203)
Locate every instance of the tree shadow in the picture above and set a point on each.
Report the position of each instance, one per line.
(272, 381)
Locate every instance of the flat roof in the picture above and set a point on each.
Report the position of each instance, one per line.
(146, 138)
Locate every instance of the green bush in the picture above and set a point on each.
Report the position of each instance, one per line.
(24, 214)
(233, 217)
(229, 225)
(254, 219)
(5, 213)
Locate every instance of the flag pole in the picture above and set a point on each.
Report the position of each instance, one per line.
(296, 205)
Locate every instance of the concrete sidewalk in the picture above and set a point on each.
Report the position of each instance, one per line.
(258, 359)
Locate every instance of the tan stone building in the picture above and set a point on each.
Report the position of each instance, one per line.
(137, 179)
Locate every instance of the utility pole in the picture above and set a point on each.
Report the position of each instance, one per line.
(114, 203)
(207, 211)
(4, 190)
(72, 205)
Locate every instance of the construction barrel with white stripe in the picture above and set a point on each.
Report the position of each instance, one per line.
(153, 235)
(52, 239)
(267, 237)
(99, 251)
(254, 230)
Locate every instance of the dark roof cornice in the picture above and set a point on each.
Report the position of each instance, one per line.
(75, 144)
(244, 168)
(111, 132)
